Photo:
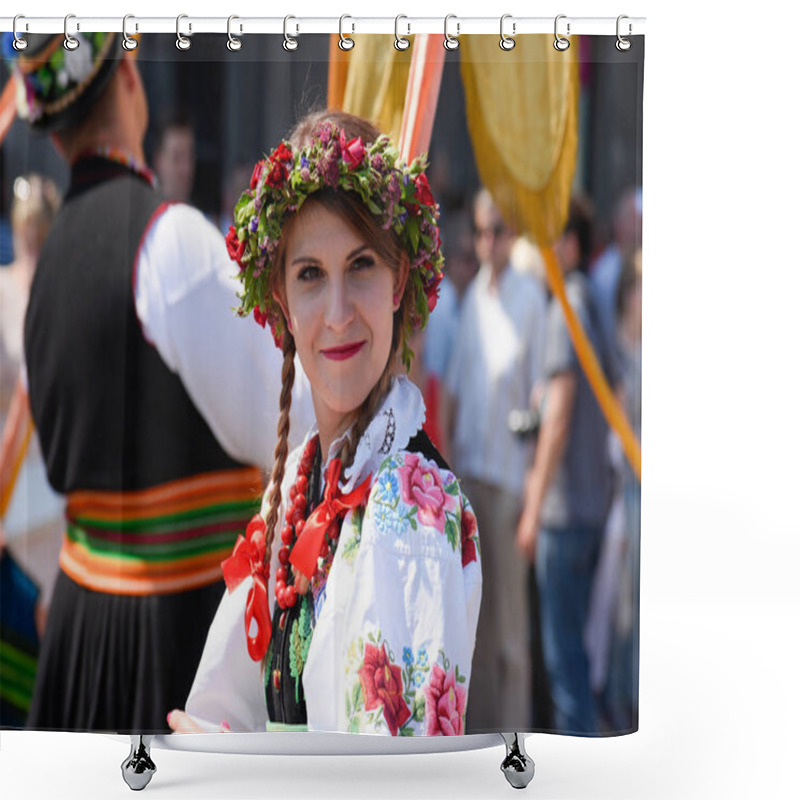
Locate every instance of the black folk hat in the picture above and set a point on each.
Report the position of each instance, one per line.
(56, 87)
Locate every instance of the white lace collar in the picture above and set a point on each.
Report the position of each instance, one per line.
(398, 419)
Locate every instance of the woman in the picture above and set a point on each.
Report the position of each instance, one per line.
(372, 548)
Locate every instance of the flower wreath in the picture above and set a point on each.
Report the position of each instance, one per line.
(392, 190)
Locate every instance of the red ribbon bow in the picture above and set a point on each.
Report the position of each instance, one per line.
(334, 505)
(248, 559)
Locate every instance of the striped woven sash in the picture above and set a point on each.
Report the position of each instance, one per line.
(169, 538)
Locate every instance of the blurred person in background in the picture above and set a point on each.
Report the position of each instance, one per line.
(568, 490)
(174, 157)
(493, 372)
(605, 271)
(460, 266)
(31, 525)
(620, 688)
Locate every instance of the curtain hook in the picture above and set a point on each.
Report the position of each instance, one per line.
(20, 44)
(400, 42)
(451, 42)
(70, 42)
(623, 44)
(345, 42)
(128, 42)
(182, 42)
(233, 44)
(289, 43)
(561, 44)
(506, 42)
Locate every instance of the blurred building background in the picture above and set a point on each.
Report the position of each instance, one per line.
(242, 103)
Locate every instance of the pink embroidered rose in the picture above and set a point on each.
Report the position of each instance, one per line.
(382, 685)
(445, 704)
(421, 486)
(469, 536)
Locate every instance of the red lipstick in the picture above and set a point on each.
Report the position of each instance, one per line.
(344, 352)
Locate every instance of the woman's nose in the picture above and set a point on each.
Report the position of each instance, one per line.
(339, 308)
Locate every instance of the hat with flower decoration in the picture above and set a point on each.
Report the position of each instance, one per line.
(395, 192)
(56, 87)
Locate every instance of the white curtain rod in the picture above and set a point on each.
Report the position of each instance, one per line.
(298, 25)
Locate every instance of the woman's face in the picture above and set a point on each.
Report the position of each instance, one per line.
(339, 301)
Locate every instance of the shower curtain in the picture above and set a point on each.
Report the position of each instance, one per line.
(114, 529)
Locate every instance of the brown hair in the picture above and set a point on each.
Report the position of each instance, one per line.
(389, 248)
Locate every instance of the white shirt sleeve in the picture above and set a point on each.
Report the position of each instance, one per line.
(228, 686)
(186, 294)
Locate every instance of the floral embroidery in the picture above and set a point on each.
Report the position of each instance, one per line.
(445, 703)
(422, 486)
(409, 491)
(391, 428)
(299, 644)
(410, 700)
(382, 686)
(469, 536)
(350, 546)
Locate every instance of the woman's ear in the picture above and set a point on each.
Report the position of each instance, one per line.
(284, 308)
(400, 280)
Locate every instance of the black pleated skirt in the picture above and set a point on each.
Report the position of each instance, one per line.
(119, 663)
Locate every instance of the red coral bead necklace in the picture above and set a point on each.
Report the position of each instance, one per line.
(296, 515)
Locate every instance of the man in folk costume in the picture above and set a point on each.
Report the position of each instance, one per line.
(143, 407)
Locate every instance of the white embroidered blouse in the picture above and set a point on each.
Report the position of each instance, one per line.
(392, 644)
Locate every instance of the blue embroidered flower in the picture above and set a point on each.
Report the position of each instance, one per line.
(408, 657)
(386, 519)
(422, 657)
(419, 679)
(387, 488)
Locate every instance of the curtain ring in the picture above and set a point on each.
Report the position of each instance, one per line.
(561, 44)
(70, 42)
(400, 42)
(182, 42)
(506, 42)
(345, 42)
(19, 43)
(451, 42)
(288, 42)
(128, 42)
(233, 44)
(623, 44)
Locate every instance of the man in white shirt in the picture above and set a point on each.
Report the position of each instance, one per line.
(494, 370)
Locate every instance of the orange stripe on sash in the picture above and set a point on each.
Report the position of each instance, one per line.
(209, 511)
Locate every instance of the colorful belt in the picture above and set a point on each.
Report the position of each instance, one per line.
(169, 538)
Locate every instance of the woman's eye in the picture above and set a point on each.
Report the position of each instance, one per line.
(308, 273)
(363, 262)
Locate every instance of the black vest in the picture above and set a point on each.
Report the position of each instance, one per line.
(109, 413)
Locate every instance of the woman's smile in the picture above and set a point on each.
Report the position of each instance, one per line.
(343, 352)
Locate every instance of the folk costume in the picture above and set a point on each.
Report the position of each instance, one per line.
(126, 289)
(383, 640)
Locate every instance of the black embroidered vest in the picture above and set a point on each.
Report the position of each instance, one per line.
(109, 413)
